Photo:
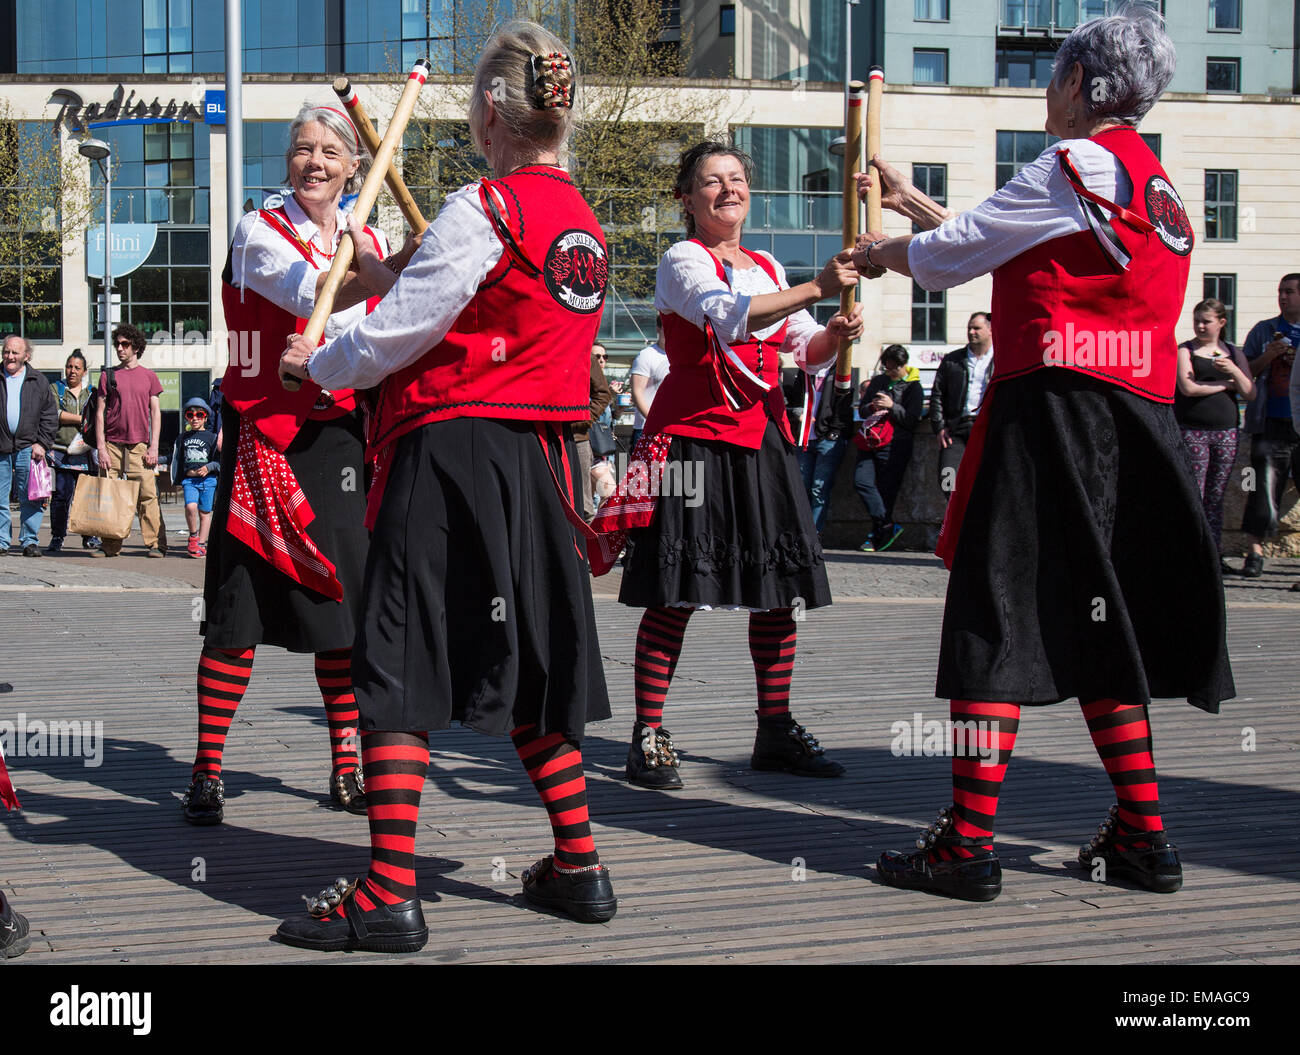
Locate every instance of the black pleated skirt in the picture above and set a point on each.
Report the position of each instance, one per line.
(478, 596)
(247, 601)
(1085, 566)
(745, 539)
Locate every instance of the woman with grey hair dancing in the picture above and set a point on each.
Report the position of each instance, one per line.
(1074, 465)
(288, 546)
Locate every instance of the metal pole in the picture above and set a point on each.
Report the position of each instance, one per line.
(108, 261)
(234, 118)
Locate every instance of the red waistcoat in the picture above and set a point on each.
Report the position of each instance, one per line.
(1068, 302)
(257, 329)
(689, 403)
(521, 349)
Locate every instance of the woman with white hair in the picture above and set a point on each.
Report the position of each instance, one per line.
(288, 546)
(1074, 465)
(478, 598)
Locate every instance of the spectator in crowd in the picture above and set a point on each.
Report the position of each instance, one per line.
(27, 430)
(601, 397)
(828, 439)
(128, 422)
(1211, 374)
(1274, 442)
(71, 394)
(959, 386)
(878, 476)
(195, 466)
(649, 368)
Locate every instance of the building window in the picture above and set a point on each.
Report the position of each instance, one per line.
(1152, 140)
(932, 10)
(929, 67)
(1223, 75)
(931, 180)
(727, 20)
(1022, 67)
(929, 315)
(1225, 15)
(1015, 150)
(1220, 206)
(31, 256)
(1224, 288)
(1049, 14)
(169, 291)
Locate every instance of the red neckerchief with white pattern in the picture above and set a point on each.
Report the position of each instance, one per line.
(269, 513)
(632, 505)
(8, 796)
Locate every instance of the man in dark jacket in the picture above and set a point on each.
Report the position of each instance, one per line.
(27, 428)
(601, 397)
(959, 386)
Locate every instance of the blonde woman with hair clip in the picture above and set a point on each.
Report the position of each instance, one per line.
(478, 601)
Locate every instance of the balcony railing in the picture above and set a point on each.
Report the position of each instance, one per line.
(179, 205)
(1046, 17)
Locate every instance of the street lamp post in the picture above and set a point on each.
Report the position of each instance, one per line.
(102, 154)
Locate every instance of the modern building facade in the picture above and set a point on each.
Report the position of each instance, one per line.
(963, 110)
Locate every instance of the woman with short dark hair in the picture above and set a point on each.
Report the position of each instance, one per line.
(748, 542)
(889, 411)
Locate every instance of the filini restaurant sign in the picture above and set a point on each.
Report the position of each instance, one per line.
(76, 114)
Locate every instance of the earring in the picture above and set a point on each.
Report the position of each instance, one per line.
(1069, 118)
(487, 142)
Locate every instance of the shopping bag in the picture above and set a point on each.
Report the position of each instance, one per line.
(40, 480)
(103, 506)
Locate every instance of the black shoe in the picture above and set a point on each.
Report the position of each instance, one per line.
(1225, 568)
(781, 744)
(1154, 864)
(652, 760)
(975, 878)
(1253, 566)
(203, 800)
(887, 536)
(587, 896)
(32, 551)
(55, 546)
(15, 934)
(348, 790)
(385, 928)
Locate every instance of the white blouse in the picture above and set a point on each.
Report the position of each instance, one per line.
(1036, 206)
(264, 261)
(459, 249)
(688, 285)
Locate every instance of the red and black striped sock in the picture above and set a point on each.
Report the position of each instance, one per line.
(554, 766)
(334, 677)
(771, 646)
(223, 677)
(396, 765)
(1121, 733)
(984, 735)
(658, 644)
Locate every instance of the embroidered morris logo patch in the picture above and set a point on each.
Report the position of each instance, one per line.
(576, 271)
(1165, 210)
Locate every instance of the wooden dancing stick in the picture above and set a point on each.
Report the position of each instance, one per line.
(852, 151)
(365, 202)
(348, 96)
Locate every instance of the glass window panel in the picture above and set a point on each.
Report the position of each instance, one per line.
(180, 63)
(1006, 144)
(189, 247)
(1028, 146)
(147, 283)
(795, 250)
(413, 21)
(179, 27)
(151, 63)
(311, 22)
(1225, 14)
(156, 146)
(155, 26)
(210, 27)
(385, 21)
(929, 67)
(1228, 186)
(1221, 75)
(931, 10)
(727, 20)
(181, 140)
(311, 60)
(279, 24)
(189, 284)
(279, 58)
